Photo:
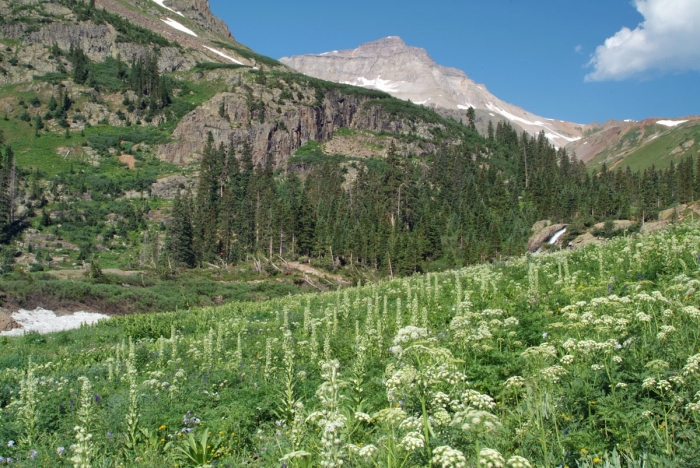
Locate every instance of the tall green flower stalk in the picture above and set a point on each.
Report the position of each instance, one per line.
(27, 412)
(84, 448)
(288, 399)
(329, 419)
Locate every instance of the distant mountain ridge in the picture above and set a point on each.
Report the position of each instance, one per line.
(410, 73)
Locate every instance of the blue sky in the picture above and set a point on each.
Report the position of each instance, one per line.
(530, 53)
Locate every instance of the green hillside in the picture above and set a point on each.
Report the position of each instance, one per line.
(577, 357)
(671, 146)
(652, 145)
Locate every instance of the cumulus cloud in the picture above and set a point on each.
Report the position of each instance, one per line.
(667, 40)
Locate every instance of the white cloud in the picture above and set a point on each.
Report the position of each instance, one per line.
(667, 40)
(578, 49)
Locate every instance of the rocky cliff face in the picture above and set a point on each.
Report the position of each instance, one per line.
(199, 12)
(275, 127)
(410, 73)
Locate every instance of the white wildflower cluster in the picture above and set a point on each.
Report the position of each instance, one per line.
(491, 458)
(368, 451)
(553, 374)
(447, 457)
(390, 416)
(440, 418)
(692, 366)
(474, 399)
(514, 382)
(518, 462)
(541, 352)
(412, 441)
(665, 331)
(694, 407)
(567, 360)
(692, 312)
(411, 423)
(407, 335)
(476, 420)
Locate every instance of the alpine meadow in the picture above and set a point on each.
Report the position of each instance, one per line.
(359, 258)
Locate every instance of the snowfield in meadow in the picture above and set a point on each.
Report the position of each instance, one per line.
(46, 321)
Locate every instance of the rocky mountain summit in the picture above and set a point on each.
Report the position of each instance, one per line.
(410, 73)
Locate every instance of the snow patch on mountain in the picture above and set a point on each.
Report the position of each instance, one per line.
(671, 123)
(174, 24)
(549, 133)
(223, 55)
(160, 3)
(387, 86)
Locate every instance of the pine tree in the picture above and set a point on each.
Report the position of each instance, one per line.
(179, 234)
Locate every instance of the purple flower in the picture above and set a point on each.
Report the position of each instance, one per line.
(11, 443)
(97, 399)
(110, 435)
(278, 433)
(544, 335)
(60, 450)
(32, 453)
(2, 459)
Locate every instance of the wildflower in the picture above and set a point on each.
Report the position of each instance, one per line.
(367, 451)
(491, 458)
(476, 419)
(518, 462)
(447, 457)
(597, 460)
(11, 443)
(33, 454)
(412, 442)
(294, 455)
(60, 450)
(514, 382)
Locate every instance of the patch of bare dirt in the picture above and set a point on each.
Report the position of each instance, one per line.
(129, 160)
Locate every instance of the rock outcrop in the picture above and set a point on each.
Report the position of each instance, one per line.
(275, 128)
(199, 12)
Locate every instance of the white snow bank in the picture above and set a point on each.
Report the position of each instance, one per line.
(382, 85)
(223, 55)
(174, 24)
(461, 107)
(46, 321)
(160, 3)
(671, 123)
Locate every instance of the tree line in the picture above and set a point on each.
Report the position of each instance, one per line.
(399, 215)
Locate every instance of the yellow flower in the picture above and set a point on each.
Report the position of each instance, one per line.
(584, 451)
(163, 427)
(597, 460)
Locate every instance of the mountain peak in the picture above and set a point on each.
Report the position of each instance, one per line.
(410, 73)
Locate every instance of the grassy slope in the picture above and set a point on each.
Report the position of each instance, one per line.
(239, 400)
(657, 152)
